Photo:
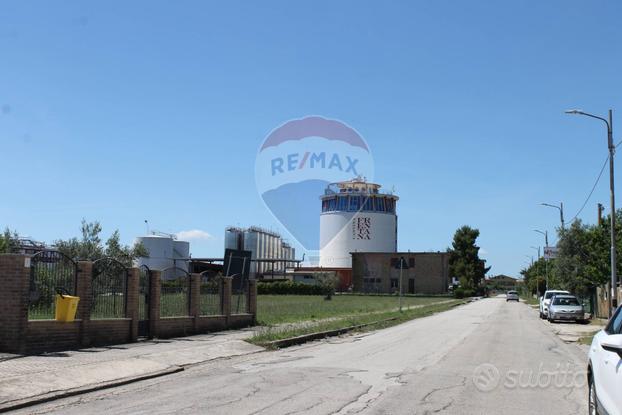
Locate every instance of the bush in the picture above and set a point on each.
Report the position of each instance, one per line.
(460, 292)
(289, 288)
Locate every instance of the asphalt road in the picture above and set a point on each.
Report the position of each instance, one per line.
(487, 357)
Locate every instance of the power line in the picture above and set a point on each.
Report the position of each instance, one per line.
(593, 187)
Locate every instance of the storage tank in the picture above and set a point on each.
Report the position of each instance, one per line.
(164, 252)
(251, 243)
(356, 217)
(233, 238)
(160, 250)
(181, 254)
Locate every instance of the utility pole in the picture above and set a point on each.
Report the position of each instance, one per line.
(613, 298)
(401, 267)
(546, 245)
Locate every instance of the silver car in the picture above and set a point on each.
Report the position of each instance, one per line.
(511, 296)
(565, 307)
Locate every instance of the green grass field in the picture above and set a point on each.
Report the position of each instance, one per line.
(377, 318)
(277, 309)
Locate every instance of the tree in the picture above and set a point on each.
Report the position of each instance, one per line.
(89, 246)
(328, 281)
(464, 261)
(8, 241)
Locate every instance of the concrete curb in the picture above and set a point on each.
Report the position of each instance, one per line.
(35, 400)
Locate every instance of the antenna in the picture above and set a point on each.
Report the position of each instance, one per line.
(147, 225)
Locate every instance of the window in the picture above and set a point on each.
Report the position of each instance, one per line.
(564, 300)
(394, 262)
(411, 262)
(615, 324)
(332, 204)
(380, 204)
(342, 203)
(355, 203)
(394, 283)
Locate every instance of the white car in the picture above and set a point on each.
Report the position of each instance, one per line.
(604, 373)
(545, 300)
(511, 296)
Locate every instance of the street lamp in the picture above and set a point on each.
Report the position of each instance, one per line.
(560, 208)
(613, 299)
(546, 244)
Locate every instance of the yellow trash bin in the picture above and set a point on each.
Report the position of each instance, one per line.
(66, 307)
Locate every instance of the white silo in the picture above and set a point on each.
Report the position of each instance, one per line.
(233, 238)
(160, 250)
(164, 252)
(181, 254)
(356, 216)
(251, 243)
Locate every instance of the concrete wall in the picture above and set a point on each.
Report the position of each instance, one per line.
(375, 272)
(20, 335)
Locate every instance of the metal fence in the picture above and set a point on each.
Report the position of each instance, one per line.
(50, 272)
(239, 295)
(210, 302)
(109, 287)
(174, 292)
(143, 292)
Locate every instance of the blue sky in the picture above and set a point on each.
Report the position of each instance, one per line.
(125, 111)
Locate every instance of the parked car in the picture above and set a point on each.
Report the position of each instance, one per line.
(511, 296)
(603, 370)
(545, 300)
(565, 307)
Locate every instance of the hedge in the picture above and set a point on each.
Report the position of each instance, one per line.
(289, 287)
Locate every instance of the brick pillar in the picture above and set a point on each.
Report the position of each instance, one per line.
(154, 302)
(252, 299)
(131, 306)
(14, 299)
(195, 298)
(226, 296)
(85, 292)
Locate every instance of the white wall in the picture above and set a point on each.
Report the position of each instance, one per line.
(340, 234)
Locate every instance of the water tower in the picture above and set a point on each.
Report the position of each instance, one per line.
(356, 217)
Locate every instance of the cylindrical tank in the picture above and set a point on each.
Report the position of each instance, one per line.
(251, 243)
(160, 250)
(181, 254)
(233, 238)
(356, 217)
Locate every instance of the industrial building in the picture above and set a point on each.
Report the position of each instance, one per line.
(165, 251)
(270, 254)
(356, 217)
(378, 272)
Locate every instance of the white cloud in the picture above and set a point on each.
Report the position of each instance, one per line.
(192, 235)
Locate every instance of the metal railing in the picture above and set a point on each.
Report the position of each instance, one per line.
(210, 303)
(50, 271)
(239, 295)
(109, 288)
(174, 292)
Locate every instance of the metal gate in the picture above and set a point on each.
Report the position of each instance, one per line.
(143, 301)
(109, 287)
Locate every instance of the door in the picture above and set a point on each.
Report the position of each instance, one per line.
(610, 381)
(411, 286)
